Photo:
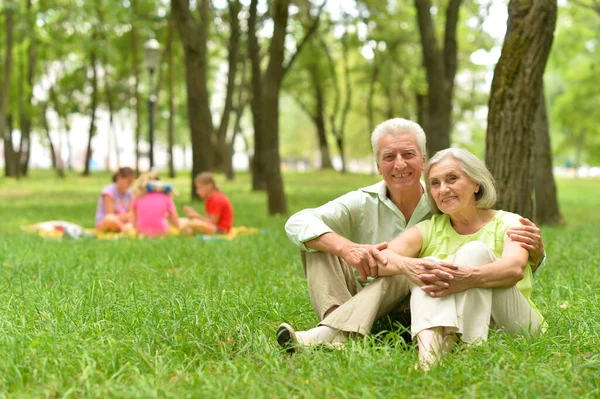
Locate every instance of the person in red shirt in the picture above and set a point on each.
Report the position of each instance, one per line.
(219, 212)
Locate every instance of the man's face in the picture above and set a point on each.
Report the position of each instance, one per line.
(400, 161)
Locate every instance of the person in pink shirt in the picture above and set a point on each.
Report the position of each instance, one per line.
(152, 211)
(112, 212)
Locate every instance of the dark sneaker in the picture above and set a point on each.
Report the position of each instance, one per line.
(286, 338)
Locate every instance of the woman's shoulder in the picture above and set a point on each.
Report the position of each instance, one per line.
(109, 189)
(507, 218)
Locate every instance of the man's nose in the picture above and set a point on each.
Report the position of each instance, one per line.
(400, 162)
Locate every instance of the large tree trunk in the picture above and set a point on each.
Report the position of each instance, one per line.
(135, 69)
(440, 67)
(514, 100)
(258, 159)
(547, 210)
(194, 37)
(93, 105)
(10, 155)
(171, 91)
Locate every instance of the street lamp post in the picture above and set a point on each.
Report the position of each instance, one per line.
(151, 61)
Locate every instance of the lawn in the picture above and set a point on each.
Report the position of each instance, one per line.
(186, 317)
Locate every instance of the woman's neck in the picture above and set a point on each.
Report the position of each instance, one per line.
(471, 221)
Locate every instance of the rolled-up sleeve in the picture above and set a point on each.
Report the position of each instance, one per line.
(335, 216)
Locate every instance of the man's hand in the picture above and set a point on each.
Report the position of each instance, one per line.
(191, 212)
(529, 236)
(364, 258)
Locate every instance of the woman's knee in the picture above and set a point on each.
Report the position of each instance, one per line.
(474, 253)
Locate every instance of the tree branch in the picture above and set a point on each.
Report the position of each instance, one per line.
(305, 39)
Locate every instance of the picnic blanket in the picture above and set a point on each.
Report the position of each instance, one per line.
(58, 229)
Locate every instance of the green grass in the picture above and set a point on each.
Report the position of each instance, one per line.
(183, 317)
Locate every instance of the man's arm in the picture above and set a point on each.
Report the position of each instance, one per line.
(361, 257)
(330, 228)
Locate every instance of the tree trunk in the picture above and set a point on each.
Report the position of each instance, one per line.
(514, 100)
(10, 156)
(171, 91)
(93, 105)
(27, 95)
(135, 69)
(547, 210)
(440, 67)
(56, 162)
(338, 129)
(232, 62)
(194, 37)
(318, 117)
(259, 156)
(277, 202)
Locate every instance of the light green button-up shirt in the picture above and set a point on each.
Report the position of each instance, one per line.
(364, 216)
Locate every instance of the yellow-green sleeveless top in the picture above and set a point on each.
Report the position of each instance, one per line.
(442, 241)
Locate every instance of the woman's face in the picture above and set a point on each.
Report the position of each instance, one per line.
(124, 182)
(451, 189)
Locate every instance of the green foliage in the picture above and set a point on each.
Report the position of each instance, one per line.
(572, 82)
(184, 317)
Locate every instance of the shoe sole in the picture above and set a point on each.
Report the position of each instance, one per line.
(286, 338)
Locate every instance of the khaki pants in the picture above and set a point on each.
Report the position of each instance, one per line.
(470, 313)
(331, 282)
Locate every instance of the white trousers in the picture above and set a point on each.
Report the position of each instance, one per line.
(469, 313)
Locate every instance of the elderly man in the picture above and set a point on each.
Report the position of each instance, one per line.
(348, 233)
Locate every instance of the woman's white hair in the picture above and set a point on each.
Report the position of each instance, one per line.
(474, 168)
(398, 126)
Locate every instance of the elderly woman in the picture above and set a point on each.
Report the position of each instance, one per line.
(477, 274)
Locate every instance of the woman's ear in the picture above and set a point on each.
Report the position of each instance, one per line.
(477, 189)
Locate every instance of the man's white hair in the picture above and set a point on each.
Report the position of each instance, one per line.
(398, 126)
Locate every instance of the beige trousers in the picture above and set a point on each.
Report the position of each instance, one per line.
(331, 282)
(470, 313)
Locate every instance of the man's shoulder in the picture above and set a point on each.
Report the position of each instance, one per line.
(372, 189)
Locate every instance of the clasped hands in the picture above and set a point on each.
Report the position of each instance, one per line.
(436, 277)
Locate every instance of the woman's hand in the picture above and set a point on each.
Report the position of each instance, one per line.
(461, 279)
(421, 271)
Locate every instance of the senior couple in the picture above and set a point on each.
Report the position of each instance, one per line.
(465, 265)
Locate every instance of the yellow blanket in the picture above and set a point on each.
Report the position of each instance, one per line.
(59, 228)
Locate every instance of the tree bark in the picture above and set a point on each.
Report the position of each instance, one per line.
(93, 104)
(440, 67)
(10, 155)
(171, 91)
(514, 100)
(547, 210)
(259, 156)
(194, 37)
(135, 69)
(271, 85)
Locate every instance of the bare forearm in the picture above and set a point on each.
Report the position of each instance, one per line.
(330, 243)
(504, 272)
